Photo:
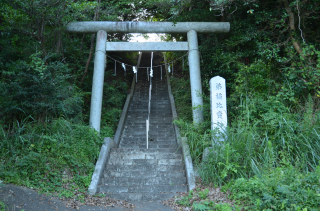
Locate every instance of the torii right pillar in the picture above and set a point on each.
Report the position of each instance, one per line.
(195, 77)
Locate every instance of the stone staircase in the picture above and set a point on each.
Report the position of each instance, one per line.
(134, 173)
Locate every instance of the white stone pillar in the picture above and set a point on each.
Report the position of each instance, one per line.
(98, 80)
(195, 77)
(218, 101)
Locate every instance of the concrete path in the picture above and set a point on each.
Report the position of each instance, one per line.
(19, 198)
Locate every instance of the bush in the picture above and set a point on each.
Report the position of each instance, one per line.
(46, 156)
(283, 188)
(39, 88)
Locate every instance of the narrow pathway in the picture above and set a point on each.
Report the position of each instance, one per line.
(134, 173)
(18, 198)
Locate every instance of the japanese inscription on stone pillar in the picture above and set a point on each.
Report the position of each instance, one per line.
(218, 104)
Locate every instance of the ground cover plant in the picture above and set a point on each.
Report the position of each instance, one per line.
(49, 158)
(268, 163)
(45, 91)
(267, 143)
(57, 155)
(271, 65)
(2, 205)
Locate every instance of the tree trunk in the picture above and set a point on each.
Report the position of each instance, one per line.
(41, 37)
(58, 42)
(296, 45)
(82, 42)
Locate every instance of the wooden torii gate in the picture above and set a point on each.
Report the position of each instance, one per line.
(102, 46)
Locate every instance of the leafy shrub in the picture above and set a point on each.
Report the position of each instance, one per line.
(2, 205)
(39, 88)
(114, 96)
(45, 156)
(279, 189)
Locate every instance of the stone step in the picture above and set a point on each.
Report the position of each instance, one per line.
(134, 173)
(133, 127)
(153, 116)
(138, 118)
(154, 113)
(146, 155)
(152, 125)
(143, 139)
(134, 151)
(142, 102)
(141, 196)
(155, 107)
(139, 131)
(135, 162)
(142, 131)
(153, 120)
(142, 120)
(143, 188)
(129, 181)
(152, 134)
(155, 141)
(145, 174)
(150, 146)
(150, 167)
(160, 104)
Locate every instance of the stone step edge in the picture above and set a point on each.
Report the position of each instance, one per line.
(111, 143)
(98, 173)
(143, 188)
(140, 196)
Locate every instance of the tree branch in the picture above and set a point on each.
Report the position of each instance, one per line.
(296, 45)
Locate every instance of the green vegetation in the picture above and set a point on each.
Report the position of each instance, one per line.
(47, 157)
(279, 189)
(270, 159)
(45, 92)
(2, 205)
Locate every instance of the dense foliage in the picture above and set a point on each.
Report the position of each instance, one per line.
(270, 60)
(45, 91)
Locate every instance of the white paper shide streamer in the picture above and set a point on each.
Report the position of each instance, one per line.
(134, 69)
(124, 68)
(151, 72)
(169, 70)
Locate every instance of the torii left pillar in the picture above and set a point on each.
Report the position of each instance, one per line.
(98, 80)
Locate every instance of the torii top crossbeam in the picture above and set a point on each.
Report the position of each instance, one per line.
(148, 27)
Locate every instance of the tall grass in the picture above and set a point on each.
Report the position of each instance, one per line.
(270, 158)
(263, 135)
(253, 148)
(43, 155)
